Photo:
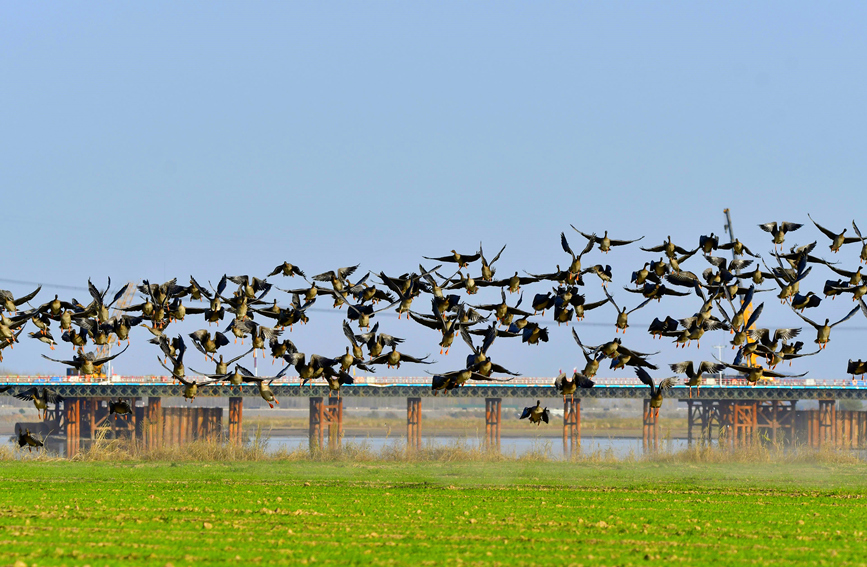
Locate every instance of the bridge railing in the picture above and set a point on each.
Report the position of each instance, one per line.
(725, 381)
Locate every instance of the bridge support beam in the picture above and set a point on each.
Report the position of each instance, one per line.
(152, 428)
(413, 423)
(327, 412)
(72, 417)
(493, 413)
(650, 437)
(236, 411)
(776, 420)
(827, 423)
(571, 426)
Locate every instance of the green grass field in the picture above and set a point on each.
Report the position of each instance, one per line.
(509, 513)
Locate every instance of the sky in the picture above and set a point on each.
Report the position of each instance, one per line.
(169, 139)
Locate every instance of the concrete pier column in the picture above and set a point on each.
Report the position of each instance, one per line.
(571, 425)
(493, 413)
(236, 412)
(334, 418)
(72, 417)
(650, 429)
(152, 429)
(827, 423)
(413, 422)
(315, 431)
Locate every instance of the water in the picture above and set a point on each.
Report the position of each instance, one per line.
(618, 448)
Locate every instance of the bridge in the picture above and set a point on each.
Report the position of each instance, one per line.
(737, 411)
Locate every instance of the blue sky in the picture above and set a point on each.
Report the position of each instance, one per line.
(147, 141)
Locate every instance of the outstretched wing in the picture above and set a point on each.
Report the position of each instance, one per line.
(847, 317)
(824, 230)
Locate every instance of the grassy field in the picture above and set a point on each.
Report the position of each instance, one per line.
(507, 513)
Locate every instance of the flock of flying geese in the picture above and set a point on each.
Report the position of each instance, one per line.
(726, 290)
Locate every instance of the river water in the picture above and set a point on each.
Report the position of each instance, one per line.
(618, 448)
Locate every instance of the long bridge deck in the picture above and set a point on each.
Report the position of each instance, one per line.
(419, 387)
(736, 410)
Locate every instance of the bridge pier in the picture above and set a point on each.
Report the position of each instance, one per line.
(571, 426)
(324, 414)
(72, 418)
(777, 419)
(493, 413)
(413, 423)
(236, 411)
(827, 422)
(650, 437)
(152, 426)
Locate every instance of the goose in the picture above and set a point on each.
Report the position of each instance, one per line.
(603, 273)
(592, 361)
(488, 269)
(512, 284)
(863, 256)
(10, 303)
(755, 373)
(559, 276)
(87, 364)
(622, 322)
(857, 291)
(856, 367)
(206, 344)
(196, 291)
(837, 240)
(348, 360)
(855, 278)
(656, 392)
(394, 358)
(100, 306)
(536, 414)
(56, 306)
(177, 370)
(45, 337)
(669, 248)
(738, 248)
(375, 342)
(823, 332)
(357, 351)
(801, 302)
(251, 288)
(223, 366)
(27, 438)
(279, 349)
(336, 379)
(604, 243)
(502, 311)
(533, 334)
(120, 407)
(236, 377)
(448, 327)
(708, 244)
(765, 337)
(657, 328)
(265, 385)
(362, 314)
(40, 398)
(478, 360)
(462, 260)
(457, 378)
(568, 385)
(4, 343)
(693, 374)
(121, 325)
(287, 269)
(574, 268)
(778, 231)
